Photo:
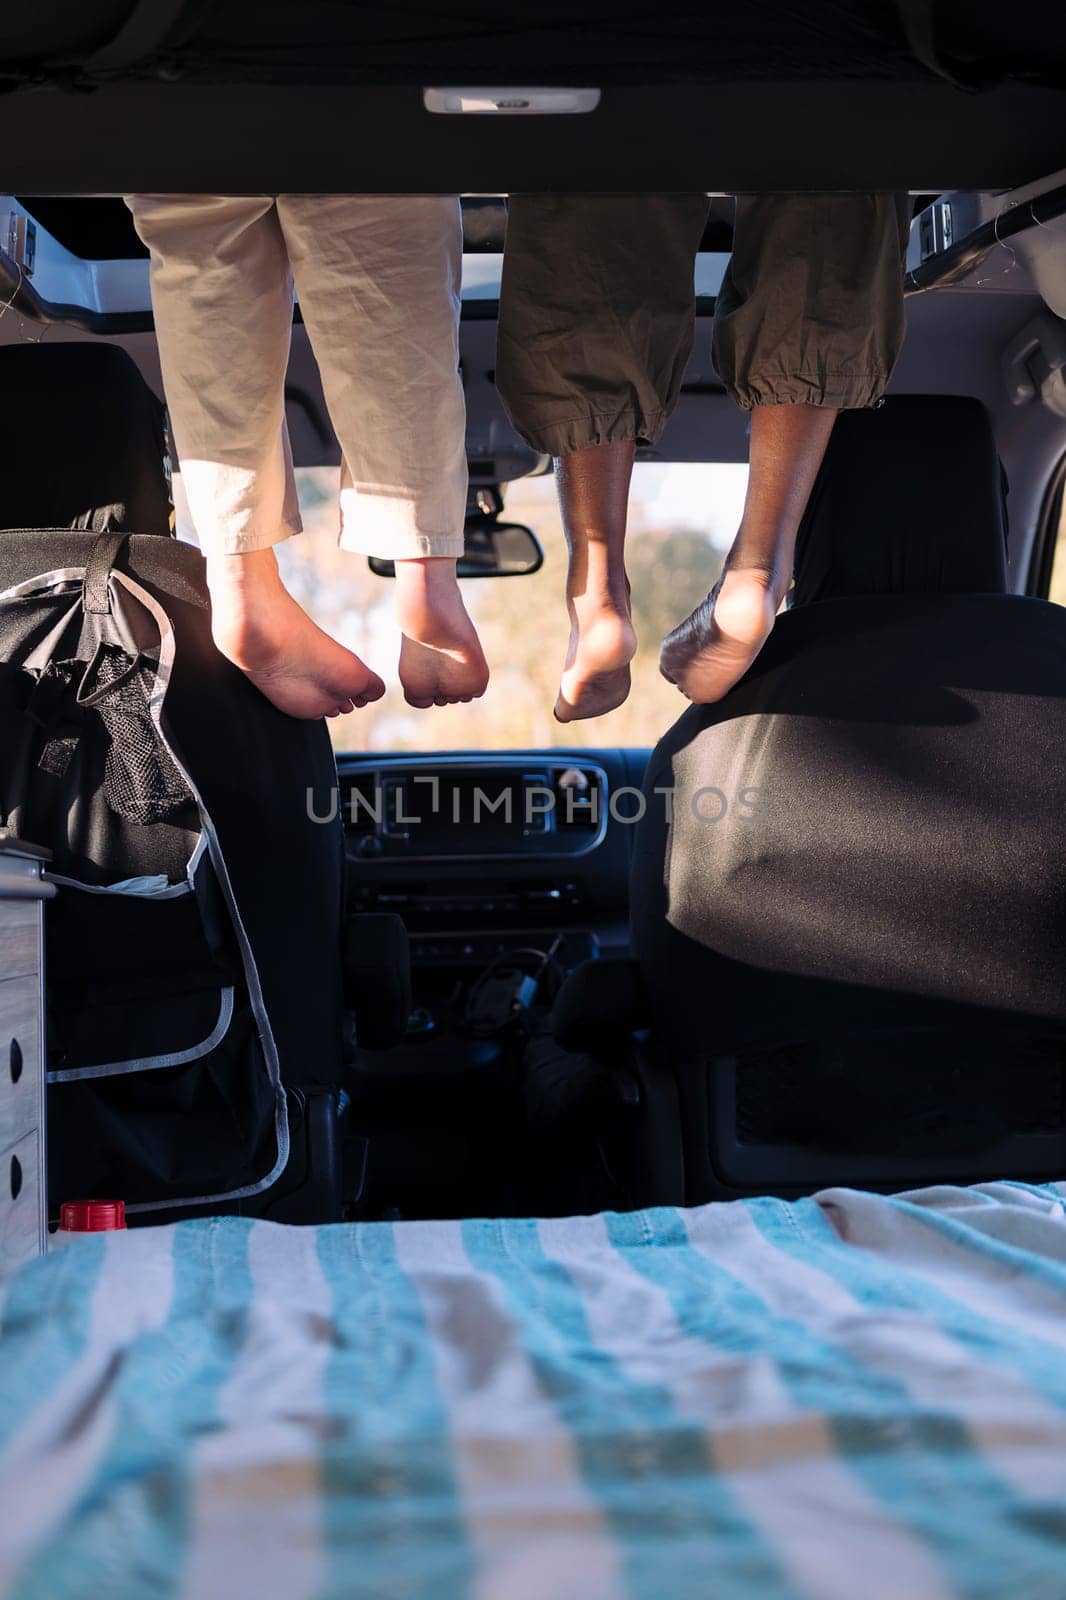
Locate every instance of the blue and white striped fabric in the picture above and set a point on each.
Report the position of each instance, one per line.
(850, 1396)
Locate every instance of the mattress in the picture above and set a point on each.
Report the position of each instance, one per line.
(847, 1396)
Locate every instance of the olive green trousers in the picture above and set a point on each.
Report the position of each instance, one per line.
(597, 308)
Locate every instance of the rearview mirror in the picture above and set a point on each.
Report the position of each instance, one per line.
(493, 550)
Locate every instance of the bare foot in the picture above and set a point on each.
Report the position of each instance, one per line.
(706, 654)
(441, 659)
(258, 626)
(596, 676)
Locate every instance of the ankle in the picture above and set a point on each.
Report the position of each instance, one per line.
(426, 589)
(233, 573)
(428, 604)
(608, 597)
(765, 549)
(773, 577)
(426, 577)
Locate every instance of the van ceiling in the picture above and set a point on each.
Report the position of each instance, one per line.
(108, 96)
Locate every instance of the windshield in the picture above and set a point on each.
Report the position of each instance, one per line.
(683, 516)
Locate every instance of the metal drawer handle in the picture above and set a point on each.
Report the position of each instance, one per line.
(16, 1177)
(16, 1061)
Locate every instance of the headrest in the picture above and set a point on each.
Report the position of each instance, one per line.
(911, 499)
(83, 442)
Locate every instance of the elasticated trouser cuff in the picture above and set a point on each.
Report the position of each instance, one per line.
(810, 311)
(624, 426)
(596, 315)
(846, 391)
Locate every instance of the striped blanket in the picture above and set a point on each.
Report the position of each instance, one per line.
(846, 1398)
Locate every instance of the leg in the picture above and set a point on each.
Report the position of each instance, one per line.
(222, 296)
(809, 321)
(378, 279)
(712, 648)
(593, 493)
(595, 330)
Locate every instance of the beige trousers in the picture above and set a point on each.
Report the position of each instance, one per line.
(378, 284)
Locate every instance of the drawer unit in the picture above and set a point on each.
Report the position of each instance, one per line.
(20, 938)
(23, 893)
(21, 1066)
(21, 1203)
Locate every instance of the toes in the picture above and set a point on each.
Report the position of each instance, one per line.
(365, 696)
(595, 696)
(422, 699)
(665, 662)
(367, 693)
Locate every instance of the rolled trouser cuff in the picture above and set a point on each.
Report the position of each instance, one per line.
(235, 509)
(235, 542)
(810, 311)
(397, 528)
(420, 547)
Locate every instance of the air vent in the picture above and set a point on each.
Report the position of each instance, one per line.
(360, 804)
(579, 799)
(396, 811)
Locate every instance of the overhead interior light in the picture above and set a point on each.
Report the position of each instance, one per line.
(510, 102)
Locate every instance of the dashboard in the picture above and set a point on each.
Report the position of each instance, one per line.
(479, 853)
(495, 863)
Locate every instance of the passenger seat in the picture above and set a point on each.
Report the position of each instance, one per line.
(850, 936)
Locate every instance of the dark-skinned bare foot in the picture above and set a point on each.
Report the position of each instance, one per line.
(714, 646)
(596, 675)
(260, 628)
(441, 659)
(717, 644)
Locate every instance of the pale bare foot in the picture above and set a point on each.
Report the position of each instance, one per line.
(596, 676)
(706, 654)
(441, 659)
(258, 626)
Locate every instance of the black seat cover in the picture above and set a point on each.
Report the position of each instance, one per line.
(911, 499)
(83, 442)
(869, 831)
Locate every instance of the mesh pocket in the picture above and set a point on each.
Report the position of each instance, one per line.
(141, 781)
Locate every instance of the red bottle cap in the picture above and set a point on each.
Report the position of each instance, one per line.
(92, 1216)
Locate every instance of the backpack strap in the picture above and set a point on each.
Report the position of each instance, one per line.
(93, 697)
(102, 557)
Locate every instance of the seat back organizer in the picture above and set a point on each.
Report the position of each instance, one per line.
(188, 1024)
